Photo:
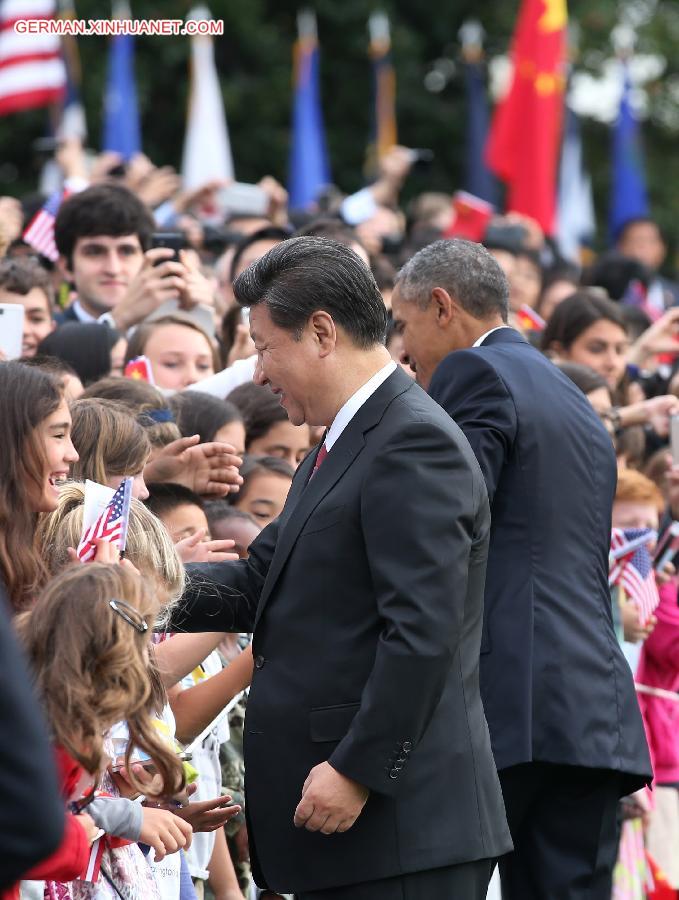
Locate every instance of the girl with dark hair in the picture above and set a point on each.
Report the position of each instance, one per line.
(36, 454)
(268, 430)
(210, 418)
(266, 482)
(589, 329)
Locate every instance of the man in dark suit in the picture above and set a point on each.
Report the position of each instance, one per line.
(641, 239)
(368, 762)
(558, 695)
(31, 809)
(103, 235)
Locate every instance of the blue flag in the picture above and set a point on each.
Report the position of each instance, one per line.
(478, 181)
(121, 116)
(309, 170)
(628, 184)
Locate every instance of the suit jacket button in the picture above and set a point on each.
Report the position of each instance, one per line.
(393, 773)
(406, 746)
(259, 662)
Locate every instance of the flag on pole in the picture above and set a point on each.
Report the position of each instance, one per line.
(525, 135)
(309, 170)
(632, 568)
(384, 90)
(629, 197)
(139, 369)
(122, 132)
(111, 523)
(529, 320)
(478, 179)
(32, 72)
(207, 148)
(39, 233)
(72, 122)
(575, 215)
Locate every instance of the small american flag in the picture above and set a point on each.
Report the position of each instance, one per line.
(39, 232)
(111, 525)
(632, 568)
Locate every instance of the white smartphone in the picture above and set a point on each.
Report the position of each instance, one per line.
(11, 329)
(674, 439)
(241, 199)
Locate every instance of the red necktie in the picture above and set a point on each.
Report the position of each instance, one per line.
(322, 453)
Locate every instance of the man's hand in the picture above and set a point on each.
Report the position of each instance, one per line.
(210, 470)
(152, 286)
(330, 802)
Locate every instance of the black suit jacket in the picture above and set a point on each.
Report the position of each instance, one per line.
(554, 682)
(66, 315)
(366, 601)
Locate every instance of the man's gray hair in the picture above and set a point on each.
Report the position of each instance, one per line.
(466, 270)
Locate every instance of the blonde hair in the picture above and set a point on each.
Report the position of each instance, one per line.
(90, 665)
(109, 440)
(149, 546)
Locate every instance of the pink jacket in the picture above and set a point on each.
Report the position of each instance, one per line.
(659, 668)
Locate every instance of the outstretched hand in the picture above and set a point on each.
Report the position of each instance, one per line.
(210, 470)
(208, 815)
(194, 549)
(330, 802)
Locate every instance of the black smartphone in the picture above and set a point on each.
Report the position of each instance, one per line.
(173, 240)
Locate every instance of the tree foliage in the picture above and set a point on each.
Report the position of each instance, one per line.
(255, 64)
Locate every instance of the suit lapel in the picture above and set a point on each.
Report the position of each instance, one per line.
(305, 495)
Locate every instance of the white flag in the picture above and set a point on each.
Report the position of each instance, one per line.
(207, 149)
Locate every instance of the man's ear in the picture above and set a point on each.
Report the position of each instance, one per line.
(446, 307)
(324, 331)
(65, 269)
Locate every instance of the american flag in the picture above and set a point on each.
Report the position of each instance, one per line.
(632, 568)
(40, 230)
(32, 71)
(111, 525)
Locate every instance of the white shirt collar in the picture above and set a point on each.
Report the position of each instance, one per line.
(81, 312)
(355, 402)
(484, 336)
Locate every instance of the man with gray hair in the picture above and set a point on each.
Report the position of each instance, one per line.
(369, 770)
(558, 695)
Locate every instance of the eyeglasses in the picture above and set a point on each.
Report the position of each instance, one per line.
(130, 615)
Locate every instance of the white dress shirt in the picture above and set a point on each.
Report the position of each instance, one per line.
(355, 402)
(484, 336)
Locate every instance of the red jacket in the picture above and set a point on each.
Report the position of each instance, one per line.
(70, 860)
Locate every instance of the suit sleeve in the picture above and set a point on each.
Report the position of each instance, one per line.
(419, 510)
(31, 811)
(467, 386)
(224, 596)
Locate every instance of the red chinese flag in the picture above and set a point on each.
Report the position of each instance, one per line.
(525, 135)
